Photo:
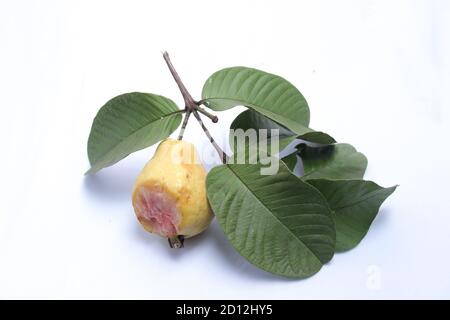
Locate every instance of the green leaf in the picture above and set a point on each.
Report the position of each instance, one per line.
(268, 94)
(317, 137)
(250, 119)
(259, 90)
(339, 161)
(128, 123)
(277, 222)
(355, 204)
(242, 140)
(290, 161)
(246, 143)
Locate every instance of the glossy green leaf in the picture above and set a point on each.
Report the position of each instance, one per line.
(128, 123)
(355, 204)
(339, 161)
(268, 94)
(277, 222)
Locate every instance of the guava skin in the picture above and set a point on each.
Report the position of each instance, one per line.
(169, 195)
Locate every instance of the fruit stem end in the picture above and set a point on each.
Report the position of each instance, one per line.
(176, 242)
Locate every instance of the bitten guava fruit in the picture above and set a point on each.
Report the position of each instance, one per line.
(169, 195)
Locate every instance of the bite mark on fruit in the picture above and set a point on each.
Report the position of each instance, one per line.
(157, 210)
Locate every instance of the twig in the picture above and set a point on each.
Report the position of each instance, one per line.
(188, 100)
(223, 156)
(183, 126)
(193, 107)
(209, 115)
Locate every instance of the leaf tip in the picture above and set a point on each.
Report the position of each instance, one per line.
(91, 171)
(394, 187)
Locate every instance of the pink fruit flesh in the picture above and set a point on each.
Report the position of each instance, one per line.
(158, 210)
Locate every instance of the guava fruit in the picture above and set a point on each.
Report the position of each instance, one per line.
(169, 195)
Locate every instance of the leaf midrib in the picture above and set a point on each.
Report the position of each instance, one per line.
(366, 197)
(276, 218)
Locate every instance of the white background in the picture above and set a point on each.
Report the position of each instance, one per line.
(376, 74)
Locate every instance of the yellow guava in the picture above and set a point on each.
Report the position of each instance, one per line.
(169, 195)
